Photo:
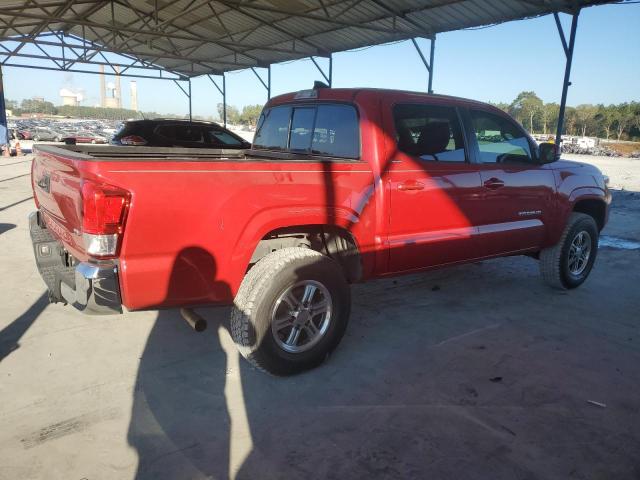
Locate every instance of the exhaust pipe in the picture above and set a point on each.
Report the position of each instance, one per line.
(194, 320)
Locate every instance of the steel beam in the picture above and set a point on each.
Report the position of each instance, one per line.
(567, 74)
(75, 70)
(427, 64)
(267, 84)
(3, 111)
(328, 76)
(187, 92)
(223, 92)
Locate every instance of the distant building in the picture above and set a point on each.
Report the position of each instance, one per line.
(110, 94)
(69, 97)
(134, 95)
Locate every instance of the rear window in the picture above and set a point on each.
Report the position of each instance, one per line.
(329, 130)
(182, 133)
(220, 137)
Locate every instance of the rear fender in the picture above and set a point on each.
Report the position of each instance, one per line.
(273, 219)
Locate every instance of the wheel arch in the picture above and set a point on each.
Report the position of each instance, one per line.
(333, 240)
(594, 206)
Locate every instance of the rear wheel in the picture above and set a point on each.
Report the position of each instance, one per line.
(291, 311)
(567, 264)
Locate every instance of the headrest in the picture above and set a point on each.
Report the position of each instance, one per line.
(434, 138)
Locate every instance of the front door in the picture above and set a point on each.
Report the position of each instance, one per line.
(433, 190)
(517, 191)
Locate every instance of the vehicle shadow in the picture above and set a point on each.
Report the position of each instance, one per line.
(10, 335)
(5, 227)
(419, 388)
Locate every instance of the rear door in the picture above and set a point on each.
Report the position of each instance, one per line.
(433, 188)
(517, 192)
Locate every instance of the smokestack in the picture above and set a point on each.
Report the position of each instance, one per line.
(102, 87)
(118, 91)
(134, 95)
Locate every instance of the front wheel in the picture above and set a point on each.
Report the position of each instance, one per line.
(567, 264)
(291, 311)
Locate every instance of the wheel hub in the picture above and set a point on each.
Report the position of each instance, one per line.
(579, 253)
(301, 316)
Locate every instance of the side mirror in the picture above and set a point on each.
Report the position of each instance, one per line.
(547, 152)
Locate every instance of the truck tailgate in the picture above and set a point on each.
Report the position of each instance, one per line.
(57, 191)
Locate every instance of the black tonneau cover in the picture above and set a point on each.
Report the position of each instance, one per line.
(115, 153)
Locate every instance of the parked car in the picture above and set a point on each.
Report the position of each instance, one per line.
(341, 186)
(178, 133)
(46, 134)
(84, 136)
(24, 134)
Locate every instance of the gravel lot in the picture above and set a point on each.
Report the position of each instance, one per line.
(478, 371)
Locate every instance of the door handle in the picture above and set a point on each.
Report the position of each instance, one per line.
(493, 183)
(411, 185)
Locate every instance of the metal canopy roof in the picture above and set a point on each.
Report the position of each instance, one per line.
(193, 37)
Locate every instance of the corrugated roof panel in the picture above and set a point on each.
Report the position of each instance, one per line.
(195, 37)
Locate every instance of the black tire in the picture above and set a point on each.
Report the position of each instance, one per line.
(554, 261)
(256, 299)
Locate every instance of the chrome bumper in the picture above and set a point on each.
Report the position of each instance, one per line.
(92, 288)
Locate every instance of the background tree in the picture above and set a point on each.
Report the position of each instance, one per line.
(250, 114)
(605, 119)
(233, 114)
(501, 105)
(570, 120)
(624, 119)
(549, 117)
(37, 106)
(586, 118)
(525, 108)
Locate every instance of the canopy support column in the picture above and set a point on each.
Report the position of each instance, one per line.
(327, 77)
(3, 110)
(187, 92)
(223, 92)
(429, 64)
(568, 51)
(267, 84)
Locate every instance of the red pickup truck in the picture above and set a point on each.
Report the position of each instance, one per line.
(340, 186)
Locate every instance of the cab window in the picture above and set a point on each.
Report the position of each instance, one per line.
(330, 130)
(429, 132)
(273, 129)
(499, 139)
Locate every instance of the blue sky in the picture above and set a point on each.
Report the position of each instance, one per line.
(490, 64)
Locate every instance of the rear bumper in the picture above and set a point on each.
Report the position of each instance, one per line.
(92, 288)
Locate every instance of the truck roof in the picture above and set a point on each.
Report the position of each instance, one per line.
(350, 94)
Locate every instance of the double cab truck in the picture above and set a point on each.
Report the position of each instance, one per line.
(340, 186)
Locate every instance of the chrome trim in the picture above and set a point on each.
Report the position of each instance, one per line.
(96, 291)
(92, 288)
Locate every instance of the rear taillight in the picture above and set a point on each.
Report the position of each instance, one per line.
(133, 140)
(104, 209)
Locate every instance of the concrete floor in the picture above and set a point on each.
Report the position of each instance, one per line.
(478, 372)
